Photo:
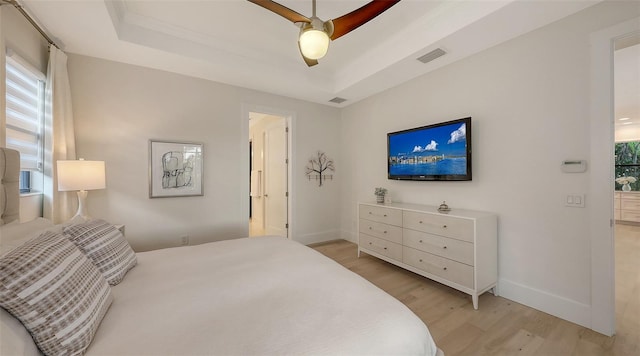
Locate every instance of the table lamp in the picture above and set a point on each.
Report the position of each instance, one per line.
(81, 176)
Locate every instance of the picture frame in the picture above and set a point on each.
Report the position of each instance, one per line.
(175, 169)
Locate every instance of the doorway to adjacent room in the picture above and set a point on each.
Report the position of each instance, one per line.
(626, 59)
(268, 181)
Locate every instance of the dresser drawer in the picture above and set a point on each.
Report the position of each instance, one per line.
(451, 270)
(381, 214)
(629, 204)
(617, 214)
(383, 231)
(629, 215)
(381, 246)
(452, 249)
(442, 225)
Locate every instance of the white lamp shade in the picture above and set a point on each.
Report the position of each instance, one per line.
(81, 175)
(314, 43)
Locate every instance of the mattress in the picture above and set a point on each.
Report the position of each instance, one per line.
(264, 295)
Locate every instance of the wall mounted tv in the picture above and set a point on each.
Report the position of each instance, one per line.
(436, 152)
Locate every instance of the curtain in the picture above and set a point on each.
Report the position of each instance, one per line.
(60, 142)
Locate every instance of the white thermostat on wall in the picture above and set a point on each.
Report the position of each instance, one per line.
(574, 166)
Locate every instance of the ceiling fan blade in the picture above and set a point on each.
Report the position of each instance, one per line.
(281, 10)
(309, 62)
(356, 18)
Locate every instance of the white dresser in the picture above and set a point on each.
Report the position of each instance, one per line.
(458, 249)
(627, 206)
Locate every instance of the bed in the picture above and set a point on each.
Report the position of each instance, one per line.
(250, 296)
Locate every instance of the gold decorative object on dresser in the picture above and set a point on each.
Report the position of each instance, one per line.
(627, 206)
(458, 249)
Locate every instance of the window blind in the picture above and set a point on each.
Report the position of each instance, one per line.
(25, 113)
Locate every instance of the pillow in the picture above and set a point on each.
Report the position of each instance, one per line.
(104, 244)
(55, 291)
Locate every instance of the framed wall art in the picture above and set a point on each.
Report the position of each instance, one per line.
(175, 169)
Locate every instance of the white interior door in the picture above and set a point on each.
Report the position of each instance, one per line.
(276, 179)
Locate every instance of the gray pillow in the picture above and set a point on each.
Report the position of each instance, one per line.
(105, 245)
(55, 291)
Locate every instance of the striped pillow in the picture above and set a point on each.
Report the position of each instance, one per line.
(104, 244)
(55, 291)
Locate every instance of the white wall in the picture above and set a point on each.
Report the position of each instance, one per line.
(625, 133)
(22, 37)
(627, 92)
(529, 99)
(119, 107)
(30, 206)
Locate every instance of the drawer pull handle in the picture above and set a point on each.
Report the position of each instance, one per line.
(385, 231)
(385, 248)
(421, 260)
(385, 215)
(444, 226)
(370, 228)
(370, 213)
(420, 221)
(444, 247)
(370, 243)
(420, 241)
(445, 268)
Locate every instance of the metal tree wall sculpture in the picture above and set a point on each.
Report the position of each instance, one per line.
(317, 167)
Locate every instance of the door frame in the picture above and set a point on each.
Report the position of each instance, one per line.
(602, 174)
(290, 121)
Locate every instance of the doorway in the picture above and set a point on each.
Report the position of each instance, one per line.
(601, 222)
(269, 182)
(626, 59)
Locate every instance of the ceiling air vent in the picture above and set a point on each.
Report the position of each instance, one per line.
(338, 100)
(436, 53)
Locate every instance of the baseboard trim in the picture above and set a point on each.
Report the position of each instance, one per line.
(349, 236)
(317, 237)
(555, 305)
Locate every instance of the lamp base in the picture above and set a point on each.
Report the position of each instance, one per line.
(82, 206)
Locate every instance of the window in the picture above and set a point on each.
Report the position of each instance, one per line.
(627, 163)
(25, 119)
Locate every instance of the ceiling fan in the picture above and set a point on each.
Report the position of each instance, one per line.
(316, 34)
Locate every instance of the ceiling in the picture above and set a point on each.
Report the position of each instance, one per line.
(239, 43)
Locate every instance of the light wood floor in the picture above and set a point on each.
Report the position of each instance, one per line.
(500, 326)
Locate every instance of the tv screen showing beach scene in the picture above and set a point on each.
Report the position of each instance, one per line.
(436, 152)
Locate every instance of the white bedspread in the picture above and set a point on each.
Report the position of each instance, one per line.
(254, 296)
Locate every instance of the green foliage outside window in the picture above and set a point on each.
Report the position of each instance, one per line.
(627, 163)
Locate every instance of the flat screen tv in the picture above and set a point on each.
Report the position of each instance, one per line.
(436, 152)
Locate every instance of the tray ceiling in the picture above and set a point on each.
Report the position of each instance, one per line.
(238, 43)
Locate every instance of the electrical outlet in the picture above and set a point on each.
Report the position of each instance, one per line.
(184, 240)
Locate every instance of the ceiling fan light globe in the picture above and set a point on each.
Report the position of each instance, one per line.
(314, 43)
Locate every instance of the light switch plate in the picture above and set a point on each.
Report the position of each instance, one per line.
(574, 200)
